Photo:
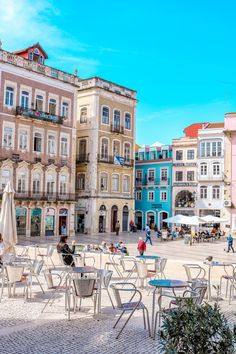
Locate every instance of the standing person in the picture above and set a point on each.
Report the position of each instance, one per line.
(117, 227)
(63, 230)
(141, 246)
(230, 241)
(131, 226)
(148, 234)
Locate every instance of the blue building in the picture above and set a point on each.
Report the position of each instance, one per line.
(153, 185)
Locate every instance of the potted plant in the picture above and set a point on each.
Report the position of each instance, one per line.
(196, 329)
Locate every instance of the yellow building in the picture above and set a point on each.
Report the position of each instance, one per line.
(105, 153)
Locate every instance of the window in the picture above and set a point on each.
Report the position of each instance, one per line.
(64, 146)
(105, 115)
(30, 55)
(127, 152)
(203, 149)
(52, 106)
(50, 184)
(81, 181)
(51, 144)
(214, 149)
(215, 192)
(37, 142)
(83, 115)
(21, 183)
(116, 148)
(219, 148)
(190, 175)
(139, 175)
(23, 139)
(41, 59)
(126, 184)
(203, 192)
(116, 119)
(179, 176)
(163, 196)
(104, 149)
(9, 96)
(24, 99)
(151, 196)
(138, 195)
(5, 178)
(65, 109)
(39, 103)
(208, 149)
(36, 183)
(152, 155)
(164, 154)
(164, 174)
(103, 182)
(63, 185)
(127, 121)
(151, 175)
(115, 183)
(8, 137)
(190, 154)
(203, 169)
(216, 169)
(179, 155)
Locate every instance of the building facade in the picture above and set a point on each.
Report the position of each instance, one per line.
(210, 194)
(153, 185)
(37, 141)
(184, 172)
(105, 156)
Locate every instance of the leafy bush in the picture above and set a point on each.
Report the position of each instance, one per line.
(196, 329)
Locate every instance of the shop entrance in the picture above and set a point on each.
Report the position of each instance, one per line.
(63, 213)
(49, 222)
(125, 219)
(139, 220)
(36, 215)
(102, 219)
(21, 221)
(151, 219)
(162, 216)
(114, 217)
(80, 223)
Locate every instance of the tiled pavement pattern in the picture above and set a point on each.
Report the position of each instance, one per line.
(23, 329)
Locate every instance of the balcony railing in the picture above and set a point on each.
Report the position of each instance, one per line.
(211, 177)
(152, 182)
(81, 158)
(116, 160)
(117, 129)
(35, 114)
(44, 196)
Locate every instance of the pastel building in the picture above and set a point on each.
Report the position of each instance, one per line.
(153, 185)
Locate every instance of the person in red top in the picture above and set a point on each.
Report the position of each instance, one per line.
(141, 246)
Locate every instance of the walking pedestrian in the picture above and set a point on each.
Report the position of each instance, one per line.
(148, 235)
(230, 241)
(141, 246)
(117, 227)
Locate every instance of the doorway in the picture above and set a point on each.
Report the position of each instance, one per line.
(114, 217)
(80, 223)
(162, 216)
(62, 225)
(139, 220)
(151, 220)
(125, 218)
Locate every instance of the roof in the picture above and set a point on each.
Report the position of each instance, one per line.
(191, 131)
(32, 46)
(137, 147)
(157, 143)
(215, 125)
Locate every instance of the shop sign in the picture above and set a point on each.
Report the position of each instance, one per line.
(184, 184)
(21, 211)
(36, 212)
(156, 206)
(63, 212)
(50, 212)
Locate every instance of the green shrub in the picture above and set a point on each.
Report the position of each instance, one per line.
(196, 329)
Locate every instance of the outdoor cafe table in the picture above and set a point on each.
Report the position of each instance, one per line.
(148, 257)
(210, 266)
(164, 284)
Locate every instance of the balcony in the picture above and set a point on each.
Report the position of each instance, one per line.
(82, 158)
(211, 177)
(115, 160)
(163, 182)
(43, 116)
(117, 129)
(44, 196)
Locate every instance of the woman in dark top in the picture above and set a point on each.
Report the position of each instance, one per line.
(64, 248)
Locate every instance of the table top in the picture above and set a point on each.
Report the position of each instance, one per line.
(217, 264)
(83, 270)
(148, 257)
(168, 283)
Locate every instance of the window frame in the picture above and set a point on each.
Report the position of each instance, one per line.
(179, 152)
(203, 192)
(118, 182)
(102, 121)
(166, 196)
(153, 194)
(130, 118)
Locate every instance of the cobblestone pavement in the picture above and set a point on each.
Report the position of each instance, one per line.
(24, 329)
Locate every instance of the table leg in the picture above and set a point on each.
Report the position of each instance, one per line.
(153, 312)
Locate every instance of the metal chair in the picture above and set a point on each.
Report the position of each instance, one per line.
(227, 276)
(130, 306)
(48, 255)
(113, 263)
(105, 278)
(35, 271)
(23, 251)
(160, 265)
(195, 273)
(12, 274)
(143, 273)
(125, 262)
(232, 286)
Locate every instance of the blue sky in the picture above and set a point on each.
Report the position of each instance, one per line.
(178, 55)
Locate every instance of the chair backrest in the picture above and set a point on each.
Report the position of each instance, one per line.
(105, 276)
(142, 270)
(84, 287)
(14, 274)
(124, 261)
(78, 260)
(23, 251)
(37, 266)
(194, 271)
(160, 265)
(117, 296)
(50, 250)
(49, 279)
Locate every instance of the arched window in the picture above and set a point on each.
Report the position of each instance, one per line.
(105, 115)
(216, 169)
(103, 181)
(116, 148)
(37, 142)
(36, 183)
(81, 181)
(115, 183)
(203, 192)
(9, 96)
(5, 177)
(127, 152)
(51, 144)
(63, 184)
(21, 182)
(24, 99)
(104, 149)
(116, 119)
(83, 115)
(126, 184)
(203, 167)
(52, 106)
(127, 121)
(50, 184)
(216, 192)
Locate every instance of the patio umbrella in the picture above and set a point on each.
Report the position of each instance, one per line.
(8, 220)
(184, 220)
(211, 219)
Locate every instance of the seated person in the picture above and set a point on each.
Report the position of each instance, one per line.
(111, 248)
(123, 249)
(103, 246)
(66, 251)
